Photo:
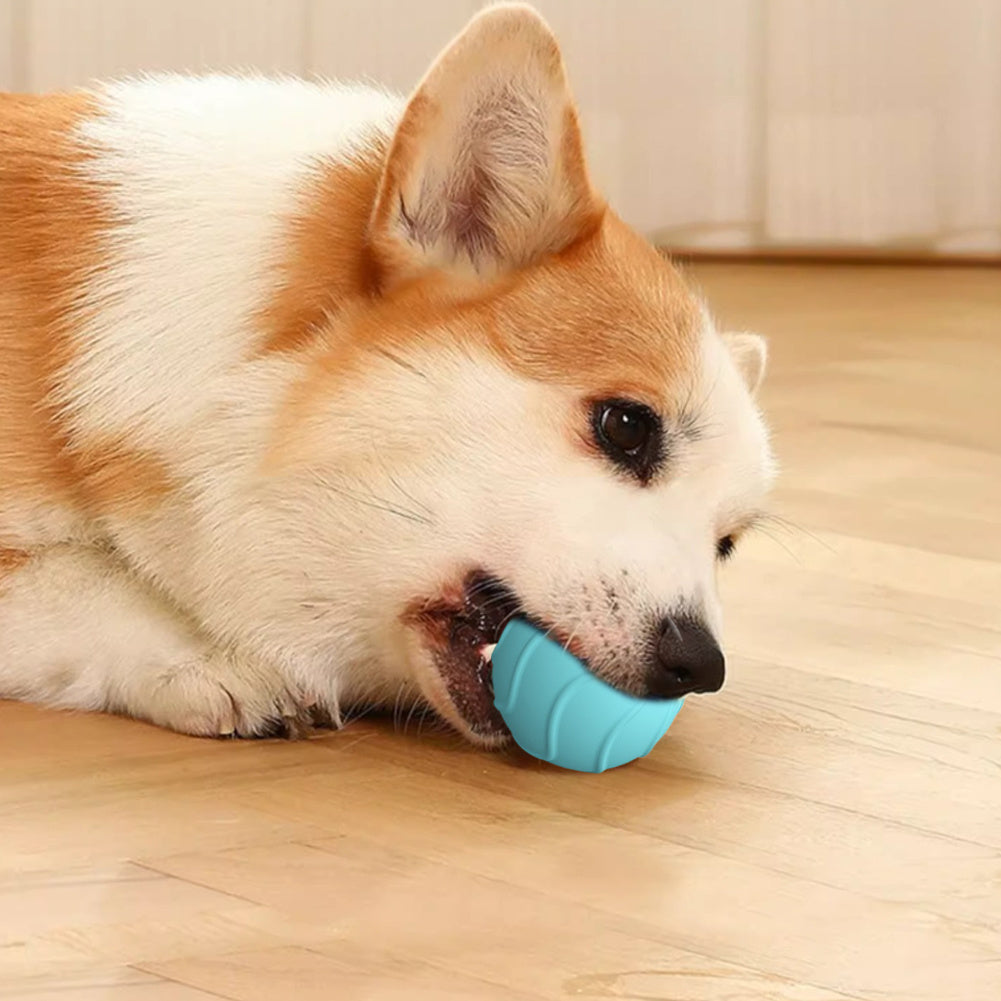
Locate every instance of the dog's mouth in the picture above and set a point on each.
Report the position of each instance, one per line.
(459, 629)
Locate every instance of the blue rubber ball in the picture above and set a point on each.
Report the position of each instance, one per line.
(557, 710)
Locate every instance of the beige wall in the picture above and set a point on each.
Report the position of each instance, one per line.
(721, 123)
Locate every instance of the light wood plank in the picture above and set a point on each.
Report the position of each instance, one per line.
(133, 985)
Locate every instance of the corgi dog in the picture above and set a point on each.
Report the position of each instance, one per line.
(306, 390)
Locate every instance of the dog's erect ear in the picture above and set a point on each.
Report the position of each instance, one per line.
(750, 355)
(486, 170)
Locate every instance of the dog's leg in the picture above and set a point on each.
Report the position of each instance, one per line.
(78, 631)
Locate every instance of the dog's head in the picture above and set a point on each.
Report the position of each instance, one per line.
(533, 415)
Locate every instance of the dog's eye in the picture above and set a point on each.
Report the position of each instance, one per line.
(630, 434)
(724, 547)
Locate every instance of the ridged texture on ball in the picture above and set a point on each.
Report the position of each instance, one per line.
(560, 712)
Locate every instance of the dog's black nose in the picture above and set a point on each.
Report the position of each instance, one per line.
(688, 660)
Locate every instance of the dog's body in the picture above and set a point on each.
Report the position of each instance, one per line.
(293, 375)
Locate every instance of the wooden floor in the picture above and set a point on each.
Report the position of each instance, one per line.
(827, 828)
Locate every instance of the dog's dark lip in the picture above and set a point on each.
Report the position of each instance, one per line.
(457, 627)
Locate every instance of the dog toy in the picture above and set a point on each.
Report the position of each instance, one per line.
(557, 710)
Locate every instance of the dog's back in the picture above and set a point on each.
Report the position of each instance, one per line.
(148, 243)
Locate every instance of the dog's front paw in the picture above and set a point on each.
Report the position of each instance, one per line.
(220, 696)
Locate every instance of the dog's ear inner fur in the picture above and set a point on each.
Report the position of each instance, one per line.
(486, 170)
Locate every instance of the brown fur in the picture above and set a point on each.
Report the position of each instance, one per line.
(11, 560)
(598, 310)
(52, 224)
(49, 227)
(115, 477)
(607, 317)
(329, 261)
(395, 256)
